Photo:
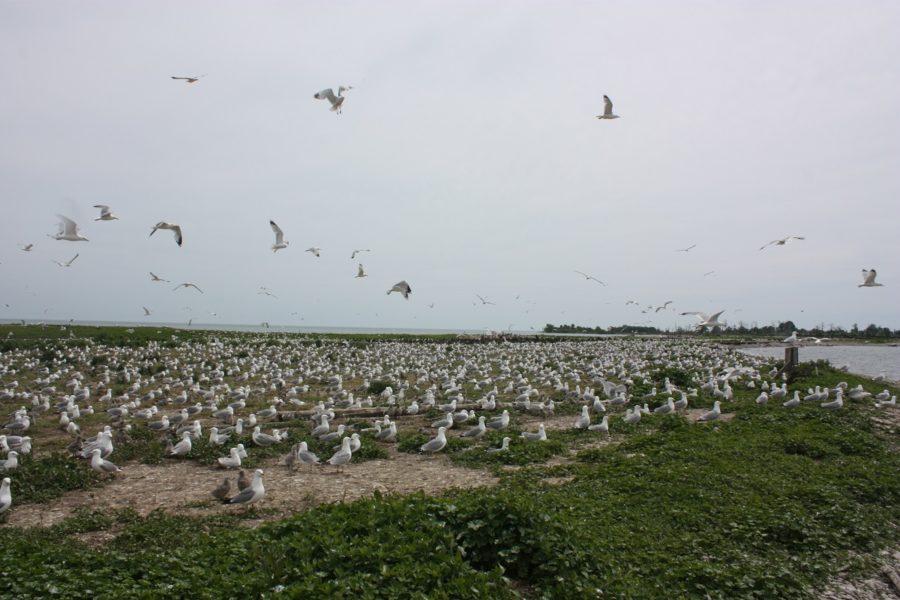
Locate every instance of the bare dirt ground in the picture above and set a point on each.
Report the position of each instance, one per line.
(185, 488)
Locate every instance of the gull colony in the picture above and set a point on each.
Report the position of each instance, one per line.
(305, 407)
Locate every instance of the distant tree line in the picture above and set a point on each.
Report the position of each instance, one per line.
(785, 328)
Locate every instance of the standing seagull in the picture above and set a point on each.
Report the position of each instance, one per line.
(154, 277)
(69, 264)
(607, 109)
(187, 285)
(191, 79)
(782, 241)
(68, 231)
(869, 279)
(589, 277)
(336, 101)
(402, 287)
(361, 272)
(251, 494)
(176, 229)
(105, 213)
(280, 244)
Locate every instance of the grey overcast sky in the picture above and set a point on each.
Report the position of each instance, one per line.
(467, 158)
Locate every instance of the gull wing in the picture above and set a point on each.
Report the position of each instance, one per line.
(67, 225)
(607, 106)
(279, 234)
(327, 94)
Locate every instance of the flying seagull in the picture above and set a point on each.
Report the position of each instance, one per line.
(483, 301)
(588, 277)
(66, 264)
(105, 213)
(154, 277)
(355, 252)
(315, 250)
(266, 293)
(782, 241)
(336, 101)
(176, 229)
(869, 279)
(402, 287)
(659, 308)
(607, 109)
(191, 79)
(361, 272)
(27, 248)
(187, 285)
(705, 319)
(147, 312)
(68, 231)
(688, 249)
(280, 244)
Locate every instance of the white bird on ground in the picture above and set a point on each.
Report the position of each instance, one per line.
(632, 417)
(891, 402)
(252, 494)
(68, 231)
(476, 431)
(187, 285)
(437, 443)
(602, 426)
(782, 241)
(11, 462)
(607, 109)
(232, 461)
(336, 101)
(305, 456)
(355, 252)
(793, 402)
(315, 250)
(279, 244)
(706, 320)
(183, 447)
(501, 422)
(762, 398)
(5, 495)
(154, 277)
(262, 439)
(664, 409)
(589, 277)
(869, 279)
(175, 229)
(835, 404)
(584, 419)
(361, 273)
(105, 213)
(102, 465)
(342, 456)
(402, 287)
(712, 415)
(504, 446)
(540, 436)
(66, 264)
(191, 79)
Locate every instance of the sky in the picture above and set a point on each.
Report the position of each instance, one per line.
(467, 158)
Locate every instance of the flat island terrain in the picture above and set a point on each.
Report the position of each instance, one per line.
(437, 467)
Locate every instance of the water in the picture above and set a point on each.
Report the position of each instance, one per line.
(863, 359)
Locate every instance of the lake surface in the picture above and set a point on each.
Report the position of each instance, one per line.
(864, 359)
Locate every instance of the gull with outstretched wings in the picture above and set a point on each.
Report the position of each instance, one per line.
(187, 285)
(175, 229)
(588, 277)
(279, 244)
(869, 279)
(337, 101)
(782, 241)
(66, 264)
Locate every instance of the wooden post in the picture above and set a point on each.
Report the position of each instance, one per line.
(791, 358)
